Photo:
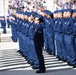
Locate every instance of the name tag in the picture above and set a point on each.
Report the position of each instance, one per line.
(68, 23)
(56, 22)
(27, 25)
(65, 23)
(74, 24)
(59, 22)
(39, 31)
(22, 23)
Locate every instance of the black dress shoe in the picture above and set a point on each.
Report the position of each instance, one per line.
(14, 41)
(32, 64)
(40, 71)
(49, 53)
(69, 64)
(18, 51)
(25, 57)
(74, 66)
(59, 59)
(53, 54)
(22, 54)
(57, 56)
(64, 60)
(35, 67)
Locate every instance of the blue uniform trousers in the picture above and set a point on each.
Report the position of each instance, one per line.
(32, 53)
(4, 28)
(27, 46)
(45, 39)
(75, 42)
(19, 38)
(51, 44)
(61, 48)
(14, 34)
(57, 44)
(38, 49)
(70, 48)
(24, 44)
(22, 41)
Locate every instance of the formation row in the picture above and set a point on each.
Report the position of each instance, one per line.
(52, 32)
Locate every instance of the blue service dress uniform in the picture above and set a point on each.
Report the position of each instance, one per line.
(3, 24)
(61, 44)
(13, 28)
(69, 41)
(45, 35)
(44, 31)
(38, 41)
(19, 33)
(32, 51)
(50, 36)
(56, 35)
(74, 29)
(8, 22)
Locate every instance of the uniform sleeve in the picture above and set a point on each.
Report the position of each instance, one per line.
(74, 28)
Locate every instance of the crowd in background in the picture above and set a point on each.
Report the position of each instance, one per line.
(27, 5)
(64, 4)
(38, 5)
